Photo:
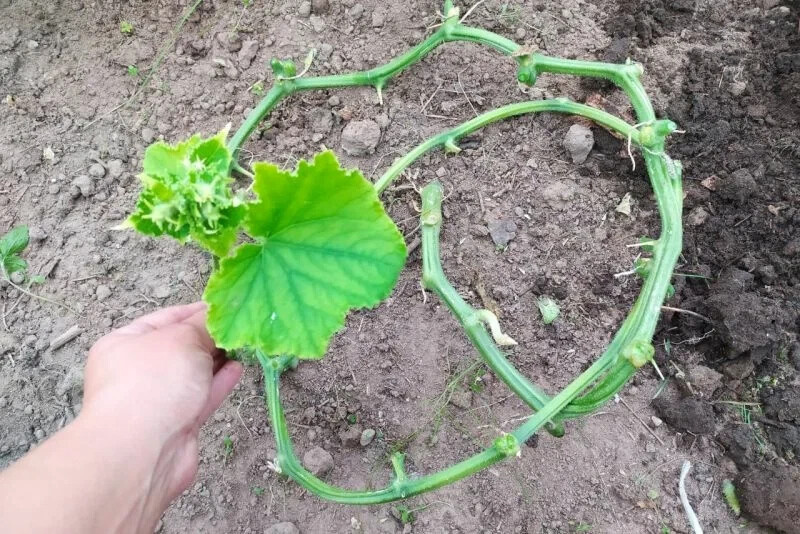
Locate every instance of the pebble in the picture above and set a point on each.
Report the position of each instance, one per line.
(248, 53)
(3, 402)
(115, 167)
(148, 135)
(84, 185)
(102, 292)
(502, 231)
(361, 137)
(17, 277)
(334, 101)
(28, 409)
(657, 422)
(39, 433)
(441, 172)
(325, 51)
(318, 23)
(319, 6)
(282, 528)
(356, 11)
(579, 142)
(304, 10)
(737, 88)
(378, 19)
(520, 33)
(792, 248)
(697, 216)
(162, 292)
(351, 436)
(367, 436)
(318, 461)
(97, 171)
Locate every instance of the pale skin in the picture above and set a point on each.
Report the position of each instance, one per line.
(148, 388)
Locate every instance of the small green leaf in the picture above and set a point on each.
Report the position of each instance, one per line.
(642, 267)
(14, 241)
(14, 263)
(125, 27)
(729, 492)
(548, 308)
(324, 246)
(37, 279)
(11, 245)
(187, 194)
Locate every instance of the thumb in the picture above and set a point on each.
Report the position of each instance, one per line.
(221, 385)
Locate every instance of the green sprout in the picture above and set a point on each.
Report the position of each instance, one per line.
(227, 448)
(125, 27)
(258, 491)
(133, 70)
(548, 308)
(298, 249)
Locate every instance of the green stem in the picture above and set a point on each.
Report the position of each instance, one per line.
(451, 137)
(625, 76)
(400, 488)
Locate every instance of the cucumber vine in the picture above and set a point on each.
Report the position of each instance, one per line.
(319, 243)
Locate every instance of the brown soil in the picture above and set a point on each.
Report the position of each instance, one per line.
(728, 72)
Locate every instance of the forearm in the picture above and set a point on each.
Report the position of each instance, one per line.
(88, 478)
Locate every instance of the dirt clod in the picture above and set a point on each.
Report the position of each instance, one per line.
(360, 137)
(318, 461)
(771, 495)
(687, 414)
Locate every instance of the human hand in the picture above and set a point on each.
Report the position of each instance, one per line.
(158, 380)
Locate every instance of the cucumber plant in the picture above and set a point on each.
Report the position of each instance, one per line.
(297, 250)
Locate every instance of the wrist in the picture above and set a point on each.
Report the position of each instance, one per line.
(133, 461)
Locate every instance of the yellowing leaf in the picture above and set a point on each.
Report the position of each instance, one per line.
(324, 246)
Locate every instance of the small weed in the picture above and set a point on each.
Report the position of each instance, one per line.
(583, 527)
(125, 27)
(258, 491)
(133, 70)
(474, 381)
(246, 3)
(664, 530)
(258, 88)
(227, 448)
(509, 15)
(404, 514)
(352, 418)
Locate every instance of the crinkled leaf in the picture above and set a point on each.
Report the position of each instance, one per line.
(11, 244)
(324, 246)
(187, 194)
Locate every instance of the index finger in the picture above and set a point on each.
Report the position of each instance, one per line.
(161, 318)
(198, 323)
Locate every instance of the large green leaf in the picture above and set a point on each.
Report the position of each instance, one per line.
(187, 194)
(324, 246)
